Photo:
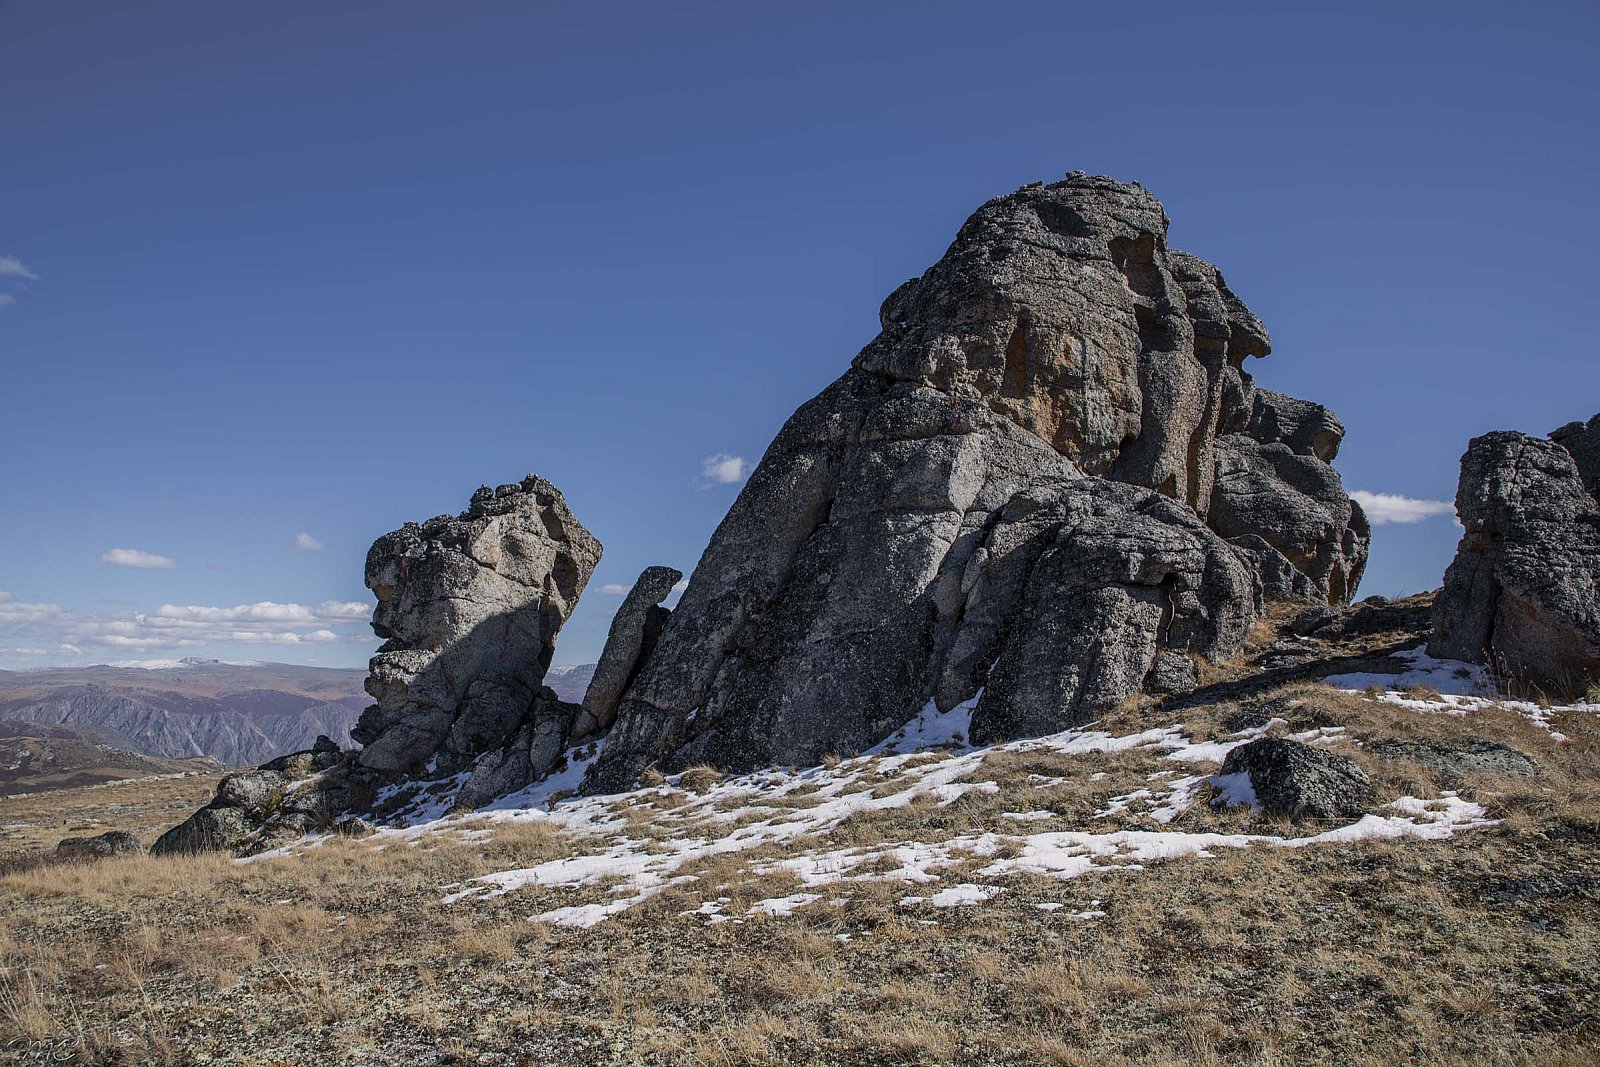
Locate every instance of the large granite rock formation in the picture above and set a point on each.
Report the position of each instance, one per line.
(1523, 592)
(470, 607)
(1008, 493)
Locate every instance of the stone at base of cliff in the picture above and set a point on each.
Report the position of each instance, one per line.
(1297, 780)
(470, 606)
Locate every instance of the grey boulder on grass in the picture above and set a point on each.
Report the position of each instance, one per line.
(101, 846)
(470, 606)
(1299, 781)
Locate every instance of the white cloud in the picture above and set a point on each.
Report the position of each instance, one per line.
(306, 543)
(724, 469)
(175, 626)
(1385, 508)
(4, 596)
(681, 586)
(15, 612)
(6, 300)
(344, 610)
(136, 557)
(11, 267)
(615, 589)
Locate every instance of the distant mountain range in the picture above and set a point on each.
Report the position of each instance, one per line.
(138, 716)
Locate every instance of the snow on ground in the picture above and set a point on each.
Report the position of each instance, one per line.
(1462, 688)
(771, 811)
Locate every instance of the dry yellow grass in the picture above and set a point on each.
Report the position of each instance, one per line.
(1480, 949)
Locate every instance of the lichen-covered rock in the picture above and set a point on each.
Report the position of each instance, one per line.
(1452, 761)
(1296, 780)
(470, 607)
(1523, 592)
(634, 631)
(1173, 674)
(211, 829)
(531, 752)
(101, 846)
(270, 805)
(1009, 490)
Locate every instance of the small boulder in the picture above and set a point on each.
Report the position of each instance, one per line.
(1312, 619)
(111, 843)
(214, 829)
(1475, 756)
(1294, 779)
(254, 791)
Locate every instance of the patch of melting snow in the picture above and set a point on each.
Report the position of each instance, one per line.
(783, 906)
(959, 896)
(698, 827)
(1462, 688)
(1027, 816)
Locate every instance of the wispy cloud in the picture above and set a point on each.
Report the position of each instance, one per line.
(137, 557)
(723, 469)
(306, 543)
(1384, 509)
(615, 589)
(6, 300)
(179, 626)
(11, 267)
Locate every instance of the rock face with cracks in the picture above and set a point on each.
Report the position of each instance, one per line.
(470, 607)
(1020, 497)
(1523, 592)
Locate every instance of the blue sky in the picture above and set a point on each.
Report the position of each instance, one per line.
(287, 269)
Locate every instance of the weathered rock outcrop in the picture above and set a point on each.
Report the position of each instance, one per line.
(1296, 780)
(470, 607)
(1008, 492)
(269, 806)
(1279, 501)
(1523, 592)
(634, 631)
